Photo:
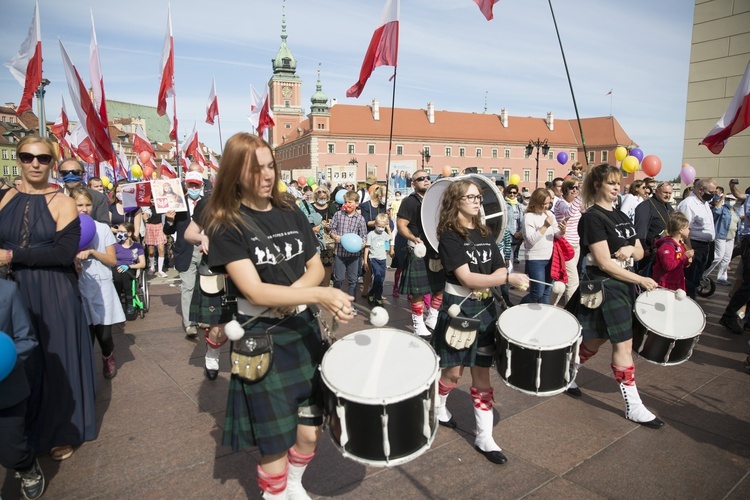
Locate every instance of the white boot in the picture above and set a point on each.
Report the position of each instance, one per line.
(212, 362)
(419, 326)
(430, 319)
(278, 496)
(484, 442)
(635, 410)
(294, 488)
(445, 418)
(573, 389)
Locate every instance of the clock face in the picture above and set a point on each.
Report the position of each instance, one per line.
(286, 91)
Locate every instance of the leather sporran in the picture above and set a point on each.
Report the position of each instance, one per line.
(252, 356)
(461, 332)
(592, 293)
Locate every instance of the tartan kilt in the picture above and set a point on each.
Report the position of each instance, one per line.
(613, 320)
(266, 414)
(485, 337)
(154, 235)
(206, 310)
(417, 279)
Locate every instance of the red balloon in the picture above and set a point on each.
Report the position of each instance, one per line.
(148, 171)
(145, 156)
(302, 180)
(651, 165)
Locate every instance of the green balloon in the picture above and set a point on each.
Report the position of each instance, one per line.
(310, 181)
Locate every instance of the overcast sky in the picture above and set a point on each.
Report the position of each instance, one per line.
(448, 54)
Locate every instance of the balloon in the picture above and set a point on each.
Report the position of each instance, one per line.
(148, 171)
(282, 186)
(562, 157)
(314, 187)
(136, 170)
(687, 174)
(351, 242)
(637, 153)
(651, 165)
(621, 153)
(340, 196)
(144, 156)
(88, 231)
(515, 179)
(630, 164)
(301, 181)
(7, 355)
(105, 180)
(310, 181)
(447, 171)
(371, 189)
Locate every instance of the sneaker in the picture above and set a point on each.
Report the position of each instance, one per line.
(379, 302)
(371, 300)
(731, 324)
(151, 270)
(108, 366)
(395, 292)
(724, 282)
(32, 481)
(130, 313)
(191, 331)
(161, 274)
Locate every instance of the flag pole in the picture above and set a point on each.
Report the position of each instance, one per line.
(176, 138)
(570, 84)
(221, 142)
(390, 136)
(40, 103)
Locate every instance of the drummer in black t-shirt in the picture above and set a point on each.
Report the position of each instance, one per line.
(473, 264)
(609, 242)
(281, 414)
(417, 278)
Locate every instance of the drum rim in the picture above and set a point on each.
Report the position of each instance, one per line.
(666, 335)
(529, 346)
(396, 461)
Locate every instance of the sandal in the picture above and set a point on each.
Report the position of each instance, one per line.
(60, 453)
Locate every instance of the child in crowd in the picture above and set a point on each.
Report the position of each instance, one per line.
(671, 256)
(130, 258)
(377, 244)
(346, 221)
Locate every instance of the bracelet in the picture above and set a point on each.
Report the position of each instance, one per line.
(8, 256)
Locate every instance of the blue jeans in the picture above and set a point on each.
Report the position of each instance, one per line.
(346, 267)
(378, 278)
(538, 270)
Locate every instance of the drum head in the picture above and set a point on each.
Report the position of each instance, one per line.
(539, 326)
(492, 210)
(379, 366)
(662, 313)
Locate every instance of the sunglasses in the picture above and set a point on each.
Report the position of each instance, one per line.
(66, 172)
(512, 193)
(349, 186)
(420, 179)
(575, 187)
(43, 159)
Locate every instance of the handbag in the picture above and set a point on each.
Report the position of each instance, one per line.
(461, 332)
(592, 293)
(252, 356)
(210, 281)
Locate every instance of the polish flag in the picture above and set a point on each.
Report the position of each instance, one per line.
(486, 7)
(736, 118)
(97, 80)
(261, 117)
(213, 162)
(185, 163)
(141, 142)
(87, 115)
(81, 143)
(166, 88)
(26, 65)
(383, 49)
(122, 165)
(190, 144)
(173, 132)
(212, 108)
(198, 156)
(60, 130)
(166, 170)
(254, 98)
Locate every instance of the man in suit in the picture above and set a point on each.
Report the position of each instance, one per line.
(15, 452)
(71, 173)
(650, 222)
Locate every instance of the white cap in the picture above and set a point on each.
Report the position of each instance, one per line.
(194, 177)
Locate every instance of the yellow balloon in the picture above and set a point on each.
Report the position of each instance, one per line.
(514, 179)
(105, 180)
(314, 187)
(630, 164)
(136, 170)
(621, 153)
(282, 187)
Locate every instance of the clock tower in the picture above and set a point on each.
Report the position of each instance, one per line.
(285, 91)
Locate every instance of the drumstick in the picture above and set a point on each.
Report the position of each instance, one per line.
(378, 315)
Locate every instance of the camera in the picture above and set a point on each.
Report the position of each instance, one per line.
(735, 181)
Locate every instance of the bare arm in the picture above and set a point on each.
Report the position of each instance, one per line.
(477, 281)
(602, 260)
(403, 229)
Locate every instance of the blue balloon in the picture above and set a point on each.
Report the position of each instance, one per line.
(351, 242)
(637, 153)
(88, 231)
(340, 196)
(7, 355)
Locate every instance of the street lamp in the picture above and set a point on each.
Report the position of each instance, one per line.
(425, 154)
(538, 144)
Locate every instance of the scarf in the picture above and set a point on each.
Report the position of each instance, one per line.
(512, 201)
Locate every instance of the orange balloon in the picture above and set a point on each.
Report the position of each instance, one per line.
(447, 171)
(371, 188)
(144, 156)
(148, 171)
(651, 165)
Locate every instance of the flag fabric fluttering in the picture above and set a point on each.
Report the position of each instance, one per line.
(254, 98)
(166, 170)
(383, 48)
(122, 165)
(26, 65)
(261, 116)
(735, 119)
(60, 130)
(198, 156)
(141, 142)
(173, 131)
(212, 108)
(190, 144)
(213, 162)
(80, 143)
(97, 80)
(185, 164)
(486, 7)
(166, 88)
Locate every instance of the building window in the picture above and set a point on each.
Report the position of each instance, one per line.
(625, 175)
(287, 103)
(13, 154)
(426, 150)
(592, 155)
(494, 171)
(287, 125)
(462, 152)
(506, 173)
(428, 170)
(573, 156)
(448, 151)
(331, 147)
(399, 150)
(526, 153)
(550, 175)
(454, 171)
(494, 152)
(371, 149)
(526, 175)
(479, 152)
(350, 148)
(507, 153)
(15, 169)
(5, 154)
(551, 155)
(605, 156)
(479, 170)
(5, 170)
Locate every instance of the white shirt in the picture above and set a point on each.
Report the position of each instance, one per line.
(538, 245)
(628, 204)
(701, 218)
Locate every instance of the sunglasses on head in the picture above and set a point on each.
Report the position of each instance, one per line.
(43, 159)
(420, 179)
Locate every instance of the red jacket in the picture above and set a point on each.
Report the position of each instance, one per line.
(668, 270)
(562, 251)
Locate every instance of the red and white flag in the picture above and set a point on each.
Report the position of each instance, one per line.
(86, 112)
(81, 143)
(383, 49)
(173, 132)
(198, 157)
(60, 130)
(166, 88)
(97, 80)
(166, 170)
(486, 7)
(736, 118)
(141, 142)
(254, 98)
(122, 165)
(26, 65)
(261, 117)
(190, 144)
(213, 162)
(212, 108)
(185, 163)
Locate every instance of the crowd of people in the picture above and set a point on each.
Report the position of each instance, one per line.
(263, 257)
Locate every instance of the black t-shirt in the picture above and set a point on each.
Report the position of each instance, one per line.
(598, 224)
(480, 252)
(288, 231)
(154, 218)
(198, 211)
(411, 210)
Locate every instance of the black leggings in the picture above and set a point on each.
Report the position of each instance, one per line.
(124, 284)
(103, 333)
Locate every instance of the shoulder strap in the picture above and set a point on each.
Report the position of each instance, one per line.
(651, 200)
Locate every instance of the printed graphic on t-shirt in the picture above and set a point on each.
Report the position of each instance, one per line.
(625, 230)
(292, 247)
(478, 255)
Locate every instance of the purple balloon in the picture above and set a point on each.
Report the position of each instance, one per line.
(88, 231)
(638, 154)
(562, 157)
(687, 174)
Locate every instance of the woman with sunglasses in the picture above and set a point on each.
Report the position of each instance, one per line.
(514, 207)
(568, 211)
(326, 209)
(39, 236)
(118, 215)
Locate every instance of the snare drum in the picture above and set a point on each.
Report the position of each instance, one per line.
(537, 347)
(381, 392)
(665, 329)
